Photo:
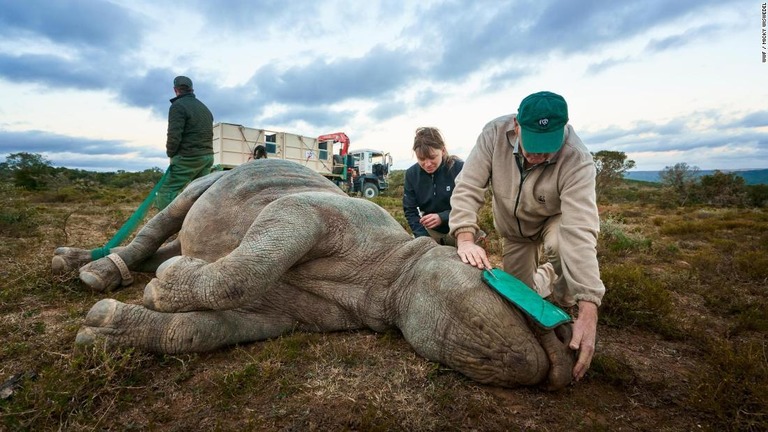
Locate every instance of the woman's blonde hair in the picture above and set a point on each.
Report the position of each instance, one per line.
(426, 141)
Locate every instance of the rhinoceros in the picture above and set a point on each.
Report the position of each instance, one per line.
(271, 247)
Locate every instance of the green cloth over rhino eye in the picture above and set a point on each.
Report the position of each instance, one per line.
(544, 313)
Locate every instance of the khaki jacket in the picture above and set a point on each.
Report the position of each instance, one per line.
(521, 205)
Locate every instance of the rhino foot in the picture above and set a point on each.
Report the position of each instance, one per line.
(175, 288)
(66, 259)
(101, 316)
(115, 324)
(100, 275)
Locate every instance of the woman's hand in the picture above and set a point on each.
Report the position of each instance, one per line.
(431, 220)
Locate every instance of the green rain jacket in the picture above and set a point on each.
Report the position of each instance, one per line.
(190, 127)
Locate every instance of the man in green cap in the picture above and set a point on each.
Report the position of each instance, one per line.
(190, 141)
(543, 182)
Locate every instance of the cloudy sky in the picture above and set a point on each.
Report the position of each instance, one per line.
(86, 83)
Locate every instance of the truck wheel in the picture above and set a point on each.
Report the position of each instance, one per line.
(370, 190)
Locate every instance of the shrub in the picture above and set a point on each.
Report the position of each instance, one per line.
(679, 182)
(17, 218)
(722, 189)
(751, 265)
(632, 298)
(757, 195)
(610, 167)
(612, 370)
(614, 236)
(731, 390)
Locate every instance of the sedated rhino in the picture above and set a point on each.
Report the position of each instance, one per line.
(272, 247)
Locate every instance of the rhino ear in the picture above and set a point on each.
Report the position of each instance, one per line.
(564, 333)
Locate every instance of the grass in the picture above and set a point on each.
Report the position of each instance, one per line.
(681, 340)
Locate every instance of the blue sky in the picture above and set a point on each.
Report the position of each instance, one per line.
(86, 83)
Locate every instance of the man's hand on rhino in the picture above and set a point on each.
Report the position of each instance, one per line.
(584, 336)
(471, 253)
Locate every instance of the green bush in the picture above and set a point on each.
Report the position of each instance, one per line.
(17, 218)
(732, 389)
(614, 236)
(751, 265)
(757, 195)
(612, 370)
(634, 299)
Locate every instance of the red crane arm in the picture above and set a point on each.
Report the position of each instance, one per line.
(337, 137)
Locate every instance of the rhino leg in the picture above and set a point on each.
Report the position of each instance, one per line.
(69, 259)
(282, 234)
(121, 324)
(147, 246)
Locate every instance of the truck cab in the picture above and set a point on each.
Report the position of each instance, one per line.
(371, 171)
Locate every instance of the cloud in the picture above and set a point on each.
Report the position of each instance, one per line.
(152, 90)
(86, 43)
(430, 49)
(321, 117)
(81, 153)
(461, 38)
(40, 141)
(752, 120)
(508, 75)
(54, 72)
(602, 66)
(387, 110)
(261, 16)
(682, 39)
(447, 41)
(680, 136)
(379, 72)
(106, 163)
(79, 23)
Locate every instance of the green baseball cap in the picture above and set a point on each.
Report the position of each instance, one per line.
(542, 117)
(182, 81)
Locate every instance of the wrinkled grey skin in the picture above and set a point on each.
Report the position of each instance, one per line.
(272, 247)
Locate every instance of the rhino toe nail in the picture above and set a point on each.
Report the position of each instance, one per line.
(150, 294)
(59, 265)
(93, 281)
(102, 313)
(164, 266)
(85, 336)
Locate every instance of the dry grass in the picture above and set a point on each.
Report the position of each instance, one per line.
(682, 345)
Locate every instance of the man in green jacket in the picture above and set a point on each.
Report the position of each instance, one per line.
(190, 141)
(543, 182)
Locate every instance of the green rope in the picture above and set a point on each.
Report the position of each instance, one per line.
(130, 225)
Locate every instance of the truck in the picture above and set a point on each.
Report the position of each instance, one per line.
(363, 171)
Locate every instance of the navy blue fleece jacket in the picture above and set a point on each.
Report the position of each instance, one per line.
(431, 193)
